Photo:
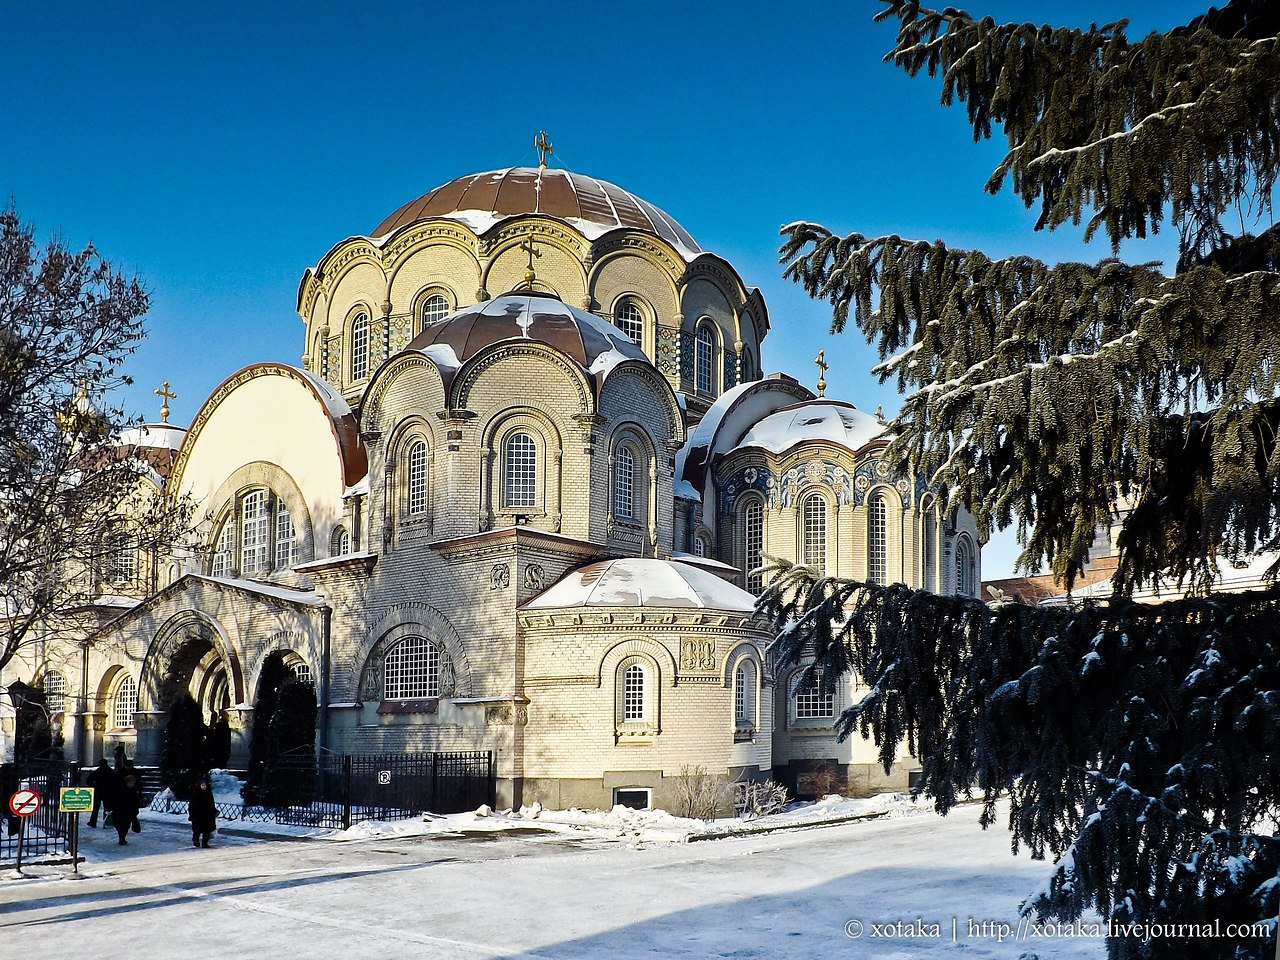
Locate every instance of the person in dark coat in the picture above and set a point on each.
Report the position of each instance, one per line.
(203, 813)
(103, 781)
(127, 800)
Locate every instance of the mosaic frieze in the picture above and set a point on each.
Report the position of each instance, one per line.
(745, 480)
(822, 472)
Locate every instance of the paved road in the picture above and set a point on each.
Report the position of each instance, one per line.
(534, 896)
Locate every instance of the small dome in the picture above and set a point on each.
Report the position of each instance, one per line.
(820, 419)
(156, 444)
(644, 582)
(594, 207)
(594, 343)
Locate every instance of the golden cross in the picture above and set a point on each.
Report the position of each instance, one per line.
(544, 148)
(823, 367)
(165, 395)
(529, 274)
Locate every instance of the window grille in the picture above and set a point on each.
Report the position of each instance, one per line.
(521, 471)
(411, 670)
(340, 542)
(699, 547)
(55, 691)
(222, 553)
(815, 532)
(740, 694)
(753, 544)
(123, 564)
(125, 705)
(812, 703)
(255, 532)
(300, 671)
(624, 467)
(705, 357)
(633, 693)
(285, 539)
(877, 541)
(434, 308)
(417, 478)
(360, 347)
(930, 550)
(630, 320)
(964, 568)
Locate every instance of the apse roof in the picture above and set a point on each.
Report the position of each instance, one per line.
(643, 582)
(820, 419)
(594, 207)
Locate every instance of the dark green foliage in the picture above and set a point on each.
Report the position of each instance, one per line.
(1138, 742)
(291, 750)
(185, 757)
(273, 675)
(33, 735)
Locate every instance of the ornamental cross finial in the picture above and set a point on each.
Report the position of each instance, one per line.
(165, 395)
(529, 275)
(823, 367)
(544, 148)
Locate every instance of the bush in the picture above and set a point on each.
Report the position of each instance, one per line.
(700, 795)
(759, 798)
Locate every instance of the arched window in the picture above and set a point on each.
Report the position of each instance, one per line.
(814, 518)
(434, 308)
(55, 691)
(705, 359)
(416, 457)
(633, 694)
(520, 479)
(411, 670)
(753, 543)
(285, 539)
(744, 694)
(877, 540)
(255, 532)
(300, 671)
(221, 566)
(812, 703)
(699, 547)
(930, 551)
(360, 347)
(124, 704)
(624, 483)
(123, 564)
(964, 568)
(630, 320)
(340, 541)
(748, 365)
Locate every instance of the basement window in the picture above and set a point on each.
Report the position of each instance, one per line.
(637, 798)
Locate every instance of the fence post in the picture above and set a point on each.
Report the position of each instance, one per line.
(435, 782)
(346, 791)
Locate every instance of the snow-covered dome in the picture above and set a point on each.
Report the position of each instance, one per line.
(593, 207)
(156, 444)
(596, 345)
(644, 582)
(820, 419)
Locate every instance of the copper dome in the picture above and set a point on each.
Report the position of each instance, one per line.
(481, 200)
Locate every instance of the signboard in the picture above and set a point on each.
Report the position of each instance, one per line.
(384, 777)
(75, 799)
(24, 803)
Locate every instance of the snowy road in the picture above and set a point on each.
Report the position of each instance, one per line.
(786, 895)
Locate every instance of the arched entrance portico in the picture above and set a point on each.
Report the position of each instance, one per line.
(190, 654)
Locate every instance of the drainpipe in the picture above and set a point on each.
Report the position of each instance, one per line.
(326, 619)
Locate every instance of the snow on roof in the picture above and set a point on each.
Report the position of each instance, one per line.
(326, 561)
(683, 488)
(643, 582)
(821, 419)
(337, 407)
(306, 597)
(443, 356)
(164, 436)
(1250, 575)
(705, 563)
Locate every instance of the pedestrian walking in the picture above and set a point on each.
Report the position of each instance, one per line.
(103, 780)
(203, 813)
(127, 799)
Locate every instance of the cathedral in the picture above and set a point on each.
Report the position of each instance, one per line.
(513, 498)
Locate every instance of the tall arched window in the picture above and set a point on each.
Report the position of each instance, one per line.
(753, 543)
(699, 547)
(624, 483)
(930, 551)
(416, 458)
(123, 564)
(744, 694)
(628, 318)
(704, 359)
(55, 691)
(221, 566)
(964, 568)
(520, 480)
(814, 518)
(747, 365)
(434, 308)
(255, 532)
(411, 670)
(633, 699)
(286, 541)
(360, 347)
(124, 704)
(340, 541)
(877, 540)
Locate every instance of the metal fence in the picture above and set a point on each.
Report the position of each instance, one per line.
(46, 834)
(335, 791)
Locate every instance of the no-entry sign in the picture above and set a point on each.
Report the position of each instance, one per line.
(24, 803)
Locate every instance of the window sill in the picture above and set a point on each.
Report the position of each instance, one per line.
(395, 707)
(635, 733)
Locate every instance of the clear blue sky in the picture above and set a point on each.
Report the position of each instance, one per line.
(219, 154)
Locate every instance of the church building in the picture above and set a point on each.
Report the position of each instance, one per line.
(512, 499)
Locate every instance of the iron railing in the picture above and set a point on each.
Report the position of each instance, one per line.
(46, 834)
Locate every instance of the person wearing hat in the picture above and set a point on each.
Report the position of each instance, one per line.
(202, 812)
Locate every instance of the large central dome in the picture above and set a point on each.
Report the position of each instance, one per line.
(482, 200)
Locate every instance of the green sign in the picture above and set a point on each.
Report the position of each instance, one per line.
(75, 799)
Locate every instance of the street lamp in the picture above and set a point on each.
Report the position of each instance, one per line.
(20, 694)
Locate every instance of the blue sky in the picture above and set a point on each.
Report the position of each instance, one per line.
(218, 155)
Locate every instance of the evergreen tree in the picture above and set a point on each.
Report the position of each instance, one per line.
(290, 761)
(33, 735)
(1138, 743)
(273, 675)
(185, 756)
